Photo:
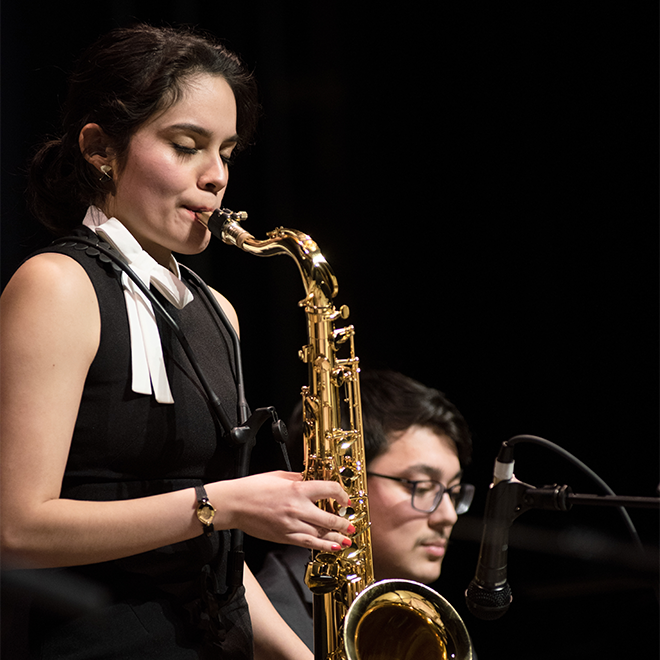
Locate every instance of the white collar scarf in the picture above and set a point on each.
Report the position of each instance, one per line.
(148, 365)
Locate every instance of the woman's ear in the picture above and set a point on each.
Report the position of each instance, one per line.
(95, 147)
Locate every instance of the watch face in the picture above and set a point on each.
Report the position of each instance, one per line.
(205, 513)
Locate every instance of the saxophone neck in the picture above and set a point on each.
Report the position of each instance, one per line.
(318, 277)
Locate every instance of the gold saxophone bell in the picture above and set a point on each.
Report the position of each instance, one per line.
(355, 618)
(405, 620)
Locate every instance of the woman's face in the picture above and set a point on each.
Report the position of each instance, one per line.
(176, 166)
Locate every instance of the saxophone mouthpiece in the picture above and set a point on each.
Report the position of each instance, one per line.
(225, 225)
(203, 217)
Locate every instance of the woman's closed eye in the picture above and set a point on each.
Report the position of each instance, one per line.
(183, 149)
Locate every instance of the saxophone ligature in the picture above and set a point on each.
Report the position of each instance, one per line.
(355, 618)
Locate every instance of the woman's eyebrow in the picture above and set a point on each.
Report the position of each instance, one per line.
(200, 130)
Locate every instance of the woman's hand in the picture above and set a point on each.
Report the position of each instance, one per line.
(280, 506)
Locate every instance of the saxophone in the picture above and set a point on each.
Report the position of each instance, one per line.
(355, 618)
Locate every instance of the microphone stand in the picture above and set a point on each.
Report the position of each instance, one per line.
(562, 498)
(510, 499)
(488, 595)
(244, 438)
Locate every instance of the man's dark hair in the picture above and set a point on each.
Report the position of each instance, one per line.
(392, 403)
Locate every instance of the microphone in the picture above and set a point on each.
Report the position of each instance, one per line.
(489, 596)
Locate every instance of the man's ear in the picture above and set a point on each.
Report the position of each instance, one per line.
(95, 147)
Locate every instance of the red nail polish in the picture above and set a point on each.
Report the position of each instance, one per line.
(335, 547)
(351, 529)
(347, 542)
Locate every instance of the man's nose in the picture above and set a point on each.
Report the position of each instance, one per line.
(445, 515)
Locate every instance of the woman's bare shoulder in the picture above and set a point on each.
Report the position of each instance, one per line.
(51, 292)
(49, 271)
(228, 309)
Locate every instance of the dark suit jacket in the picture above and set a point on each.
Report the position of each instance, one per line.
(282, 579)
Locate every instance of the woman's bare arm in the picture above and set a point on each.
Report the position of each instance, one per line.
(273, 639)
(49, 335)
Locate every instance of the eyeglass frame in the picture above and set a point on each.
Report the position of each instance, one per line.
(468, 492)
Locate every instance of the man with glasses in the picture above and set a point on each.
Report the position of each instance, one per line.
(417, 445)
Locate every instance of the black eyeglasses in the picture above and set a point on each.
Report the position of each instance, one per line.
(428, 493)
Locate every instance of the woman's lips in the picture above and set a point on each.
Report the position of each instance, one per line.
(201, 214)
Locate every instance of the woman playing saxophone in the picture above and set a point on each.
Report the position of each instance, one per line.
(113, 467)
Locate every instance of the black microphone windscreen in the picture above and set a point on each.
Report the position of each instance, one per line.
(488, 604)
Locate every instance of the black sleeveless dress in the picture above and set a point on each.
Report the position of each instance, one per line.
(167, 603)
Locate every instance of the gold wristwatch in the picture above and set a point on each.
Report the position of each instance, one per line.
(205, 510)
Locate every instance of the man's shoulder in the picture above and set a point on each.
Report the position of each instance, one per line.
(282, 578)
(284, 567)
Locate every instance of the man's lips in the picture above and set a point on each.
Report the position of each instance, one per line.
(435, 547)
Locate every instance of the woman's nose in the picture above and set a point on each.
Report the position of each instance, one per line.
(215, 175)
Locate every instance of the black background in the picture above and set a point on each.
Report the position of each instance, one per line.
(483, 181)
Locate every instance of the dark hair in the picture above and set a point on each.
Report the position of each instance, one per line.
(392, 403)
(119, 83)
